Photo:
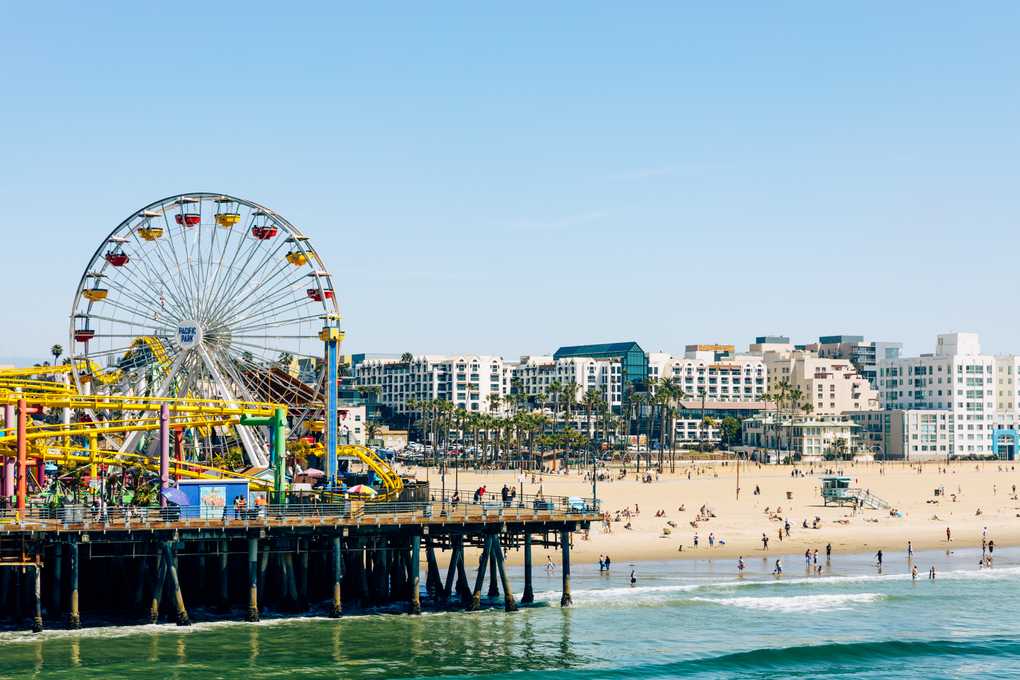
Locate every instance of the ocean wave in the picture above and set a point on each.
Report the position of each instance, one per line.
(795, 603)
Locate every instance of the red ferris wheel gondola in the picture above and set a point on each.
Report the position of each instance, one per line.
(314, 294)
(117, 258)
(188, 219)
(265, 233)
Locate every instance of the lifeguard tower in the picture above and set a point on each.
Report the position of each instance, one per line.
(836, 490)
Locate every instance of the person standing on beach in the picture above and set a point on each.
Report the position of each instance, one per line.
(828, 551)
(764, 541)
(695, 540)
(949, 535)
(711, 539)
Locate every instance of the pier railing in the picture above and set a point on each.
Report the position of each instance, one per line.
(488, 507)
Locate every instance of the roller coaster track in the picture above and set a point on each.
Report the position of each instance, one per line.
(16, 384)
(391, 480)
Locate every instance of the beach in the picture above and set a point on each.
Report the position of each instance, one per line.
(737, 526)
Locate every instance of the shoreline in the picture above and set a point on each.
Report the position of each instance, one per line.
(976, 501)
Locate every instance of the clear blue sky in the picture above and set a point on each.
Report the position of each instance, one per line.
(556, 173)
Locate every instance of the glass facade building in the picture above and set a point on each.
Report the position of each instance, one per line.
(633, 360)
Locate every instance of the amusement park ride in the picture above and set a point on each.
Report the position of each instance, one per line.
(189, 318)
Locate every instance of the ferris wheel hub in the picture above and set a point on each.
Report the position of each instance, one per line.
(189, 334)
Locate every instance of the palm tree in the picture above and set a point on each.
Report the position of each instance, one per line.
(554, 392)
(56, 351)
(406, 358)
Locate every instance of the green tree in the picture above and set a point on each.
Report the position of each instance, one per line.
(56, 351)
(730, 431)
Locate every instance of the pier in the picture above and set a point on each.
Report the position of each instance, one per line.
(60, 567)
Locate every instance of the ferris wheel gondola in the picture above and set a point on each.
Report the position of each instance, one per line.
(177, 302)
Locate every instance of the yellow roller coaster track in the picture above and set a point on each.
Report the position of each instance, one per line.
(94, 370)
(390, 479)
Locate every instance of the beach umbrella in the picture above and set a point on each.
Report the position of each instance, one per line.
(362, 489)
(312, 472)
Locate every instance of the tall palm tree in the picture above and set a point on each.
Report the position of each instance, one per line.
(56, 351)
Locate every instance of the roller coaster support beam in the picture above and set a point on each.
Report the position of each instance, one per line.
(164, 451)
(331, 337)
(278, 432)
(23, 411)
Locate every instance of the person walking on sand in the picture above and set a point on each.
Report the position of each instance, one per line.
(764, 541)
(695, 540)
(711, 539)
(949, 535)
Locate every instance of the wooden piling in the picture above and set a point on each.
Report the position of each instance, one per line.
(37, 623)
(175, 583)
(57, 582)
(565, 600)
(157, 586)
(415, 574)
(493, 566)
(476, 594)
(529, 594)
(337, 579)
(73, 615)
(433, 581)
(463, 587)
(253, 580)
(451, 569)
(508, 593)
(224, 547)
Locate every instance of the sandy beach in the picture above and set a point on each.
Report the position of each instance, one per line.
(738, 525)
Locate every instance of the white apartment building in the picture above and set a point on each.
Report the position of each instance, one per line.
(830, 386)
(955, 398)
(533, 375)
(805, 438)
(468, 381)
(712, 371)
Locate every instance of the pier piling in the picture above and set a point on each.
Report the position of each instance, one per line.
(565, 600)
(175, 583)
(529, 594)
(253, 580)
(415, 574)
(73, 615)
(37, 623)
(483, 560)
(337, 579)
(508, 593)
(157, 587)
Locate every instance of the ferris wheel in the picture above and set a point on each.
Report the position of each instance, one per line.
(210, 297)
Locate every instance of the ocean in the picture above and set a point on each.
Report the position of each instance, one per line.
(689, 619)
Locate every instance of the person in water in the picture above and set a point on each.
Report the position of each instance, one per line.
(913, 573)
(633, 578)
(778, 571)
(740, 565)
